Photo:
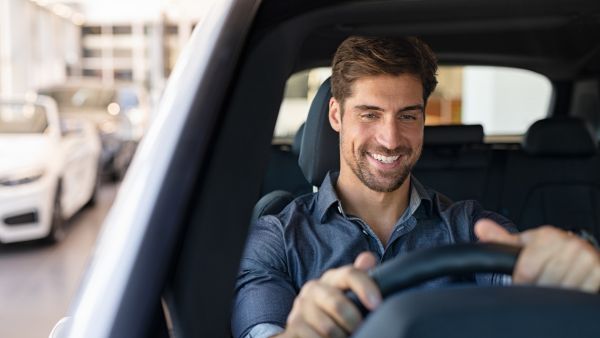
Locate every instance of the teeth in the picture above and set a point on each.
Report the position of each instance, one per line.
(385, 159)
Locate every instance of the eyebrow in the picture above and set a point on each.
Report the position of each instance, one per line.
(364, 107)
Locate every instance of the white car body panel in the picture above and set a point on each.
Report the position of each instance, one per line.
(71, 158)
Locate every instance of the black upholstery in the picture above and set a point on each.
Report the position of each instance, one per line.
(271, 203)
(283, 172)
(455, 161)
(297, 144)
(560, 137)
(319, 152)
(555, 179)
(453, 134)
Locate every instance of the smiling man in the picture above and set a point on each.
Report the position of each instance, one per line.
(298, 263)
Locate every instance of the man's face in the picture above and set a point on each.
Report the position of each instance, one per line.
(381, 129)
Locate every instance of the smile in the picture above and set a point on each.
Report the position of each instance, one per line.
(385, 159)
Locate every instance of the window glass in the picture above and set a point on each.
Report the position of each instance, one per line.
(506, 101)
(18, 118)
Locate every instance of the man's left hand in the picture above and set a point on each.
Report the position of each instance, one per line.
(549, 256)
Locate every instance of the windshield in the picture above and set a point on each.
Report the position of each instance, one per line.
(20, 118)
(83, 99)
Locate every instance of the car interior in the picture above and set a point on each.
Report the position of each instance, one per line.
(232, 173)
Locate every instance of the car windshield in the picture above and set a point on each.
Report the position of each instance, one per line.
(19, 118)
(81, 99)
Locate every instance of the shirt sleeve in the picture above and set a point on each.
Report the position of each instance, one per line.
(264, 292)
(491, 278)
(264, 331)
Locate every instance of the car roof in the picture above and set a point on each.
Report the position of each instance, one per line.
(558, 38)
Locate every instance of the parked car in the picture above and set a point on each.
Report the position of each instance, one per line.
(167, 259)
(120, 113)
(48, 169)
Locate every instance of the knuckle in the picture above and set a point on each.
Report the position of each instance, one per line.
(338, 306)
(526, 273)
(328, 327)
(548, 232)
(309, 288)
(346, 270)
(588, 258)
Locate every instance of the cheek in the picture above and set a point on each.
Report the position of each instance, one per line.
(414, 137)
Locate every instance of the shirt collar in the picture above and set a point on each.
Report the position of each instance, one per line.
(327, 196)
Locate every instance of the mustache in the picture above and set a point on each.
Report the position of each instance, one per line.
(401, 150)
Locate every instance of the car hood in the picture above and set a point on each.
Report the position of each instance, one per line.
(18, 152)
(96, 116)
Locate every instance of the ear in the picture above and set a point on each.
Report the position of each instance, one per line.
(335, 114)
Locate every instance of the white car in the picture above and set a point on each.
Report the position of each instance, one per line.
(48, 169)
(119, 111)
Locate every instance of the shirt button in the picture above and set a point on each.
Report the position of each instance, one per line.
(365, 232)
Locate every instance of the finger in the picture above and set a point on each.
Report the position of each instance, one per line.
(365, 261)
(300, 330)
(356, 280)
(296, 325)
(321, 322)
(583, 265)
(489, 231)
(561, 265)
(541, 246)
(592, 282)
(338, 307)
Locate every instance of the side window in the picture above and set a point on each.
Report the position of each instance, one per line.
(506, 101)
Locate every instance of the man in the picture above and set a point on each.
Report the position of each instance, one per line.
(297, 264)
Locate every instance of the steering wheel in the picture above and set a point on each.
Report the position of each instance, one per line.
(451, 260)
(472, 311)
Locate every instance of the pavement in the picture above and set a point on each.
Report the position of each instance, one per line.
(38, 281)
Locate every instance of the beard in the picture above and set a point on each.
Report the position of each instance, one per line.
(379, 180)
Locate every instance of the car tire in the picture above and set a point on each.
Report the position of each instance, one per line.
(57, 225)
(97, 183)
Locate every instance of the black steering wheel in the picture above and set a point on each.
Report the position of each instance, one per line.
(472, 311)
(451, 260)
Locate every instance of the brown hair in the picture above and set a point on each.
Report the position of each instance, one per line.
(361, 56)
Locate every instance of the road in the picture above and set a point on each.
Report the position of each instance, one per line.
(39, 281)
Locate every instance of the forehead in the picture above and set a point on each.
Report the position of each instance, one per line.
(388, 87)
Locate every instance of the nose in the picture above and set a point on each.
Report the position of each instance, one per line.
(389, 134)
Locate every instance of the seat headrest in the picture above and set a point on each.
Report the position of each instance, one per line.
(297, 143)
(453, 135)
(565, 136)
(319, 152)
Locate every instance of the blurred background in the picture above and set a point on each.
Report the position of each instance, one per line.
(79, 84)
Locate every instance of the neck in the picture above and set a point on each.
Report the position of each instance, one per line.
(380, 210)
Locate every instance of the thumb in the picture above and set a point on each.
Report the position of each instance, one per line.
(365, 261)
(489, 231)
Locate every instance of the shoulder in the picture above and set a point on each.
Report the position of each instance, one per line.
(300, 207)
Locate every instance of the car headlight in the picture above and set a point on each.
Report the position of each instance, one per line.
(21, 178)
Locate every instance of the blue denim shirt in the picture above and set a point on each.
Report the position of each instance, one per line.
(313, 234)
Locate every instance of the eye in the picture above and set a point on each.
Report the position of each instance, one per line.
(408, 116)
(368, 116)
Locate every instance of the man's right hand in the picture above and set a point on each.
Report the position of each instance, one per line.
(322, 310)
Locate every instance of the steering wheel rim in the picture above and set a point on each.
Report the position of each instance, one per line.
(450, 260)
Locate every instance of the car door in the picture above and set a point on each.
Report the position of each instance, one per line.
(123, 286)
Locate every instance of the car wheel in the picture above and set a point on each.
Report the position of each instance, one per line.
(57, 227)
(94, 197)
